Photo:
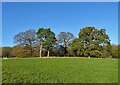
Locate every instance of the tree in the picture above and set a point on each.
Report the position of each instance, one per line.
(75, 48)
(17, 51)
(0, 51)
(64, 38)
(94, 40)
(115, 51)
(46, 38)
(26, 38)
(6, 52)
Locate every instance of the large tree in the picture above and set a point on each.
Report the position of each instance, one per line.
(64, 38)
(46, 38)
(26, 38)
(94, 40)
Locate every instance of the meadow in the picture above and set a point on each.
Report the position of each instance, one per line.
(59, 70)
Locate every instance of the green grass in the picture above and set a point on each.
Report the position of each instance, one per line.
(62, 70)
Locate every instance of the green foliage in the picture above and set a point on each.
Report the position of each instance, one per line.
(62, 70)
(96, 53)
(46, 38)
(115, 51)
(91, 43)
(76, 47)
(6, 52)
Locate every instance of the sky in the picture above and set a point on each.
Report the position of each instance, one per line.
(60, 0)
(59, 16)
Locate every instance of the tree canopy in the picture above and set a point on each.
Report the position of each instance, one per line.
(91, 42)
(46, 38)
(26, 38)
(64, 38)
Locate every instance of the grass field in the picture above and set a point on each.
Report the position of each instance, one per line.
(62, 70)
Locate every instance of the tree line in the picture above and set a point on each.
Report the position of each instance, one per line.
(91, 42)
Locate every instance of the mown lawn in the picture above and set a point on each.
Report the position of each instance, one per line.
(60, 70)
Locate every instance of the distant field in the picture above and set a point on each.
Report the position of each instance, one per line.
(62, 70)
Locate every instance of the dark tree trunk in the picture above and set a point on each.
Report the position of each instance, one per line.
(65, 51)
(30, 49)
(31, 52)
(30, 42)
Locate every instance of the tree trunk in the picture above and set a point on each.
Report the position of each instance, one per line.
(48, 54)
(30, 48)
(88, 56)
(31, 52)
(40, 50)
(65, 49)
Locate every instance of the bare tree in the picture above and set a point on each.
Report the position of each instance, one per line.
(26, 38)
(64, 38)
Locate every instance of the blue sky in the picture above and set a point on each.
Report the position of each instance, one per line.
(63, 16)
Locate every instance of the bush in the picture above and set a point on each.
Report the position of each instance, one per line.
(96, 53)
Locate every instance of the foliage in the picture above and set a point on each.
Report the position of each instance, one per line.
(75, 48)
(19, 51)
(91, 43)
(96, 53)
(46, 38)
(6, 52)
(115, 51)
